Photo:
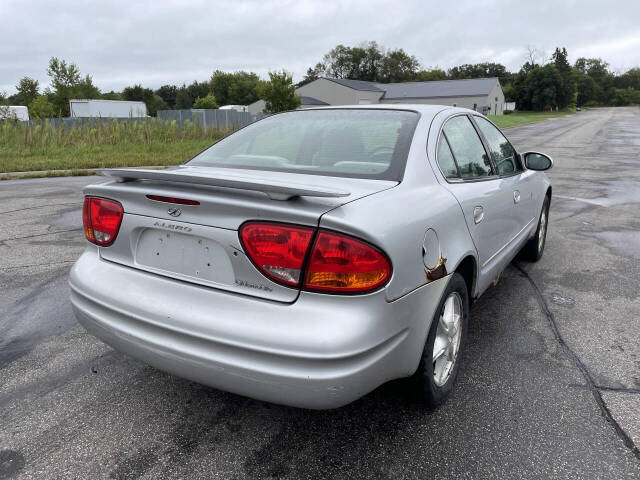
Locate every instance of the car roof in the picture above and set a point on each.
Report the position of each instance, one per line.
(426, 110)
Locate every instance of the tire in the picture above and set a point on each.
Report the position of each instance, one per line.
(534, 248)
(434, 381)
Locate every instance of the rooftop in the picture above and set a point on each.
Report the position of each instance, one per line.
(442, 88)
(311, 101)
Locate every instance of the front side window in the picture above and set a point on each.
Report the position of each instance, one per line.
(504, 155)
(356, 143)
(466, 146)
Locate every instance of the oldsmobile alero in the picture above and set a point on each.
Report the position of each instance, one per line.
(313, 255)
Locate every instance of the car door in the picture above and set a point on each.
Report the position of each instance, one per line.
(513, 176)
(471, 177)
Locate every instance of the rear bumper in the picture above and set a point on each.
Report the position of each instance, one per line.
(322, 351)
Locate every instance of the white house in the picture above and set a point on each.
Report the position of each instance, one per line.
(484, 95)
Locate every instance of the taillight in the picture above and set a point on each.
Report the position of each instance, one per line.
(337, 263)
(277, 250)
(101, 219)
(180, 201)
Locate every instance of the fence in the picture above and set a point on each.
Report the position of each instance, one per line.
(220, 119)
(81, 121)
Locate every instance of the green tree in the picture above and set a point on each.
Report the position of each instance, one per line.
(629, 79)
(588, 90)
(205, 102)
(41, 108)
(509, 92)
(431, 75)
(566, 94)
(184, 101)
(63, 75)
(626, 96)
(279, 93)
(5, 111)
(478, 70)
(598, 70)
(237, 88)
(112, 95)
(157, 103)
(152, 101)
(312, 74)
(398, 66)
(168, 94)
(198, 89)
(137, 93)
(543, 84)
(67, 83)
(28, 90)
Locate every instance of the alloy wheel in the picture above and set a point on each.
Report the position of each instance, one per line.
(447, 341)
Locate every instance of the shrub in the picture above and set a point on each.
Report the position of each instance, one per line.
(208, 102)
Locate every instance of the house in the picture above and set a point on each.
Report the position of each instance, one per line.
(305, 102)
(481, 94)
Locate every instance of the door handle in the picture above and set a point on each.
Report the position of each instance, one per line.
(516, 196)
(478, 214)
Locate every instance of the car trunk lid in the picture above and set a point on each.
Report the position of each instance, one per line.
(199, 243)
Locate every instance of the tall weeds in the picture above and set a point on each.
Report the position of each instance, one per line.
(95, 144)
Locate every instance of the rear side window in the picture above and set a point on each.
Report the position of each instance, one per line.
(504, 155)
(467, 148)
(445, 159)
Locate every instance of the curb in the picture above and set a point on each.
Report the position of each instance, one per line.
(79, 172)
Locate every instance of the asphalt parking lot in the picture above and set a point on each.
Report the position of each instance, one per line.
(549, 386)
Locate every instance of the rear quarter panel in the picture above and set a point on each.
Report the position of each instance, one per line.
(397, 219)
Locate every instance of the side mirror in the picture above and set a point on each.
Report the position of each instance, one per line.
(537, 161)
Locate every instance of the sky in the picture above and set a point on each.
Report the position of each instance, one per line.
(121, 43)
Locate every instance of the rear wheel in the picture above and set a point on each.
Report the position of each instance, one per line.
(442, 352)
(534, 248)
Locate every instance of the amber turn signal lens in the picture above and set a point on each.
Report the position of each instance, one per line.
(340, 263)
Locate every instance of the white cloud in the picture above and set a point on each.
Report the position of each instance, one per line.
(156, 42)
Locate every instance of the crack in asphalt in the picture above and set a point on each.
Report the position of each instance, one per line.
(39, 206)
(41, 234)
(591, 385)
(37, 265)
(610, 389)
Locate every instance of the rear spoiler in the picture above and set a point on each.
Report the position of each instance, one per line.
(217, 177)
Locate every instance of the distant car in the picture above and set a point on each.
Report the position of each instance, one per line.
(578, 109)
(314, 255)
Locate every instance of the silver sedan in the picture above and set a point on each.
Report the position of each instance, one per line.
(314, 255)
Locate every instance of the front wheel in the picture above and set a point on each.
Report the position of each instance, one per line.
(440, 361)
(534, 248)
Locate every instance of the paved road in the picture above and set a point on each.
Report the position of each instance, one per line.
(550, 384)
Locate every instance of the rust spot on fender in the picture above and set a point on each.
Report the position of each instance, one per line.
(439, 271)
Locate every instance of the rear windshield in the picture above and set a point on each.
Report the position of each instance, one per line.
(342, 143)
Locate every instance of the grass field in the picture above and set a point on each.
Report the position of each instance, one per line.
(44, 147)
(520, 118)
(120, 144)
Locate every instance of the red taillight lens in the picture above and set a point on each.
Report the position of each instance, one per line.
(340, 263)
(101, 219)
(277, 250)
(337, 264)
